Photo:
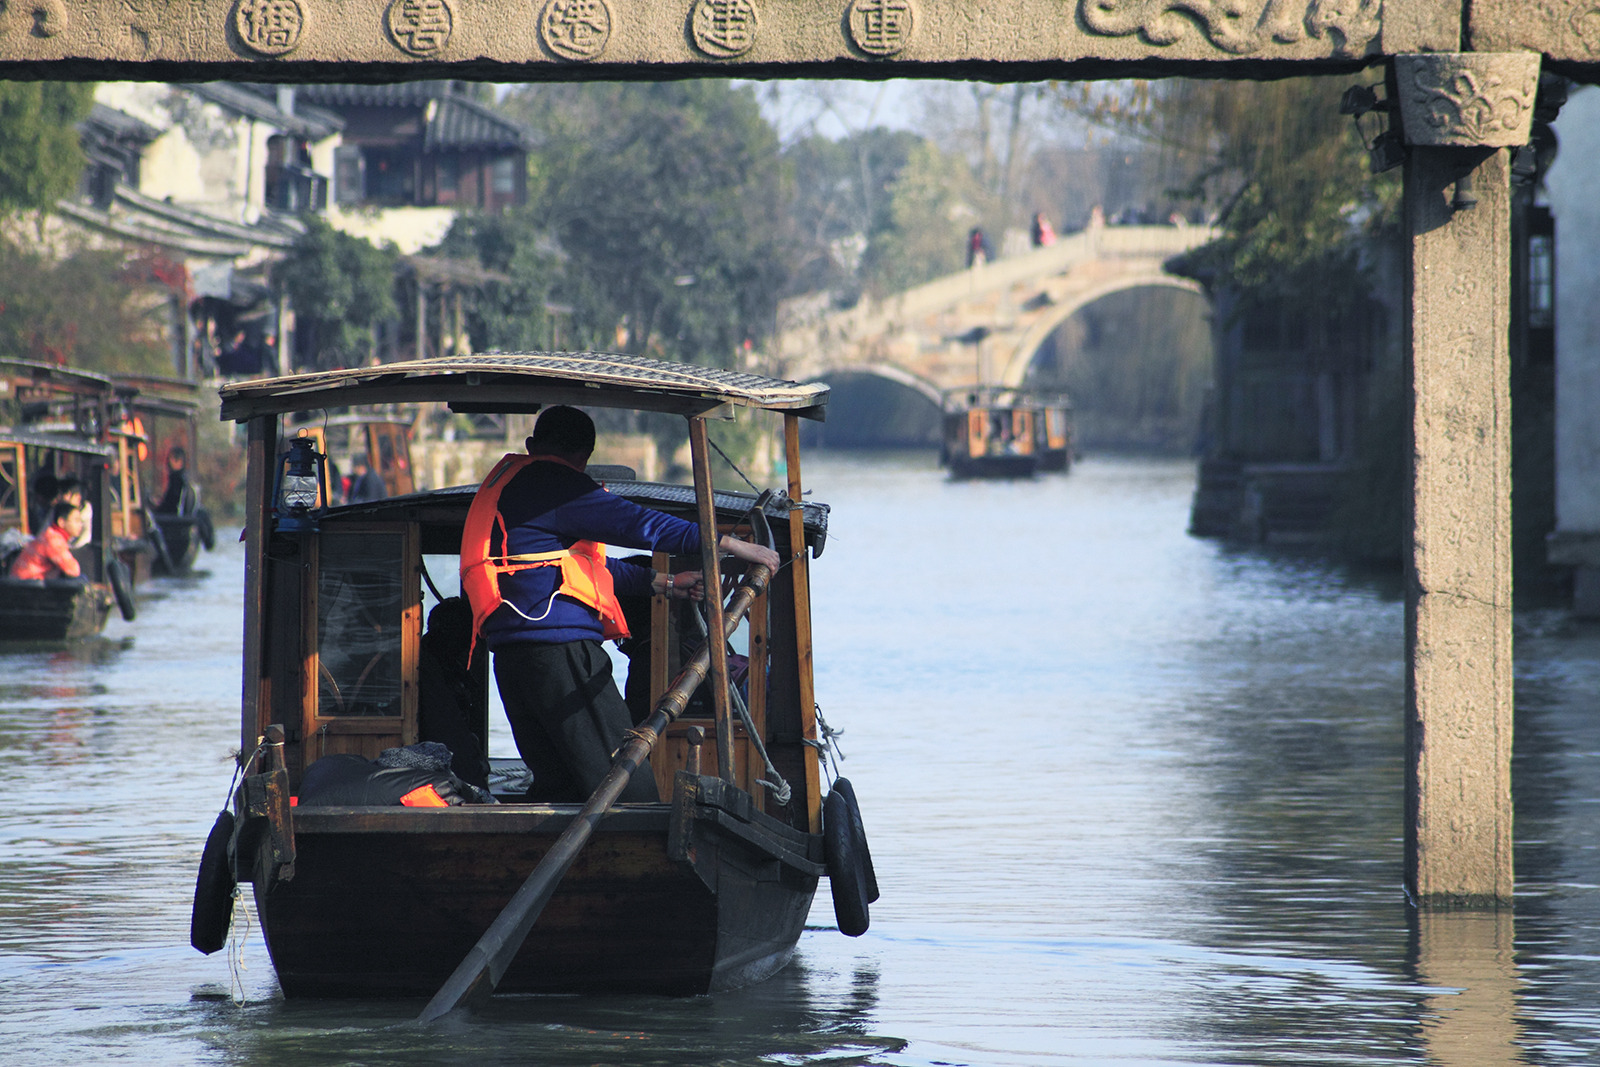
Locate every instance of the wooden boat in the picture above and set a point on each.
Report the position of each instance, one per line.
(69, 608)
(162, 522)
(707, 891)
(988, 433)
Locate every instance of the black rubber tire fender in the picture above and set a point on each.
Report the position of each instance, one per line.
(203, 528)
(213, 889)
(868, 873)
(845, 877)
(122, 588)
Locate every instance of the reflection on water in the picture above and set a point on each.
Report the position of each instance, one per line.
(1471, 957)
(1132, 798)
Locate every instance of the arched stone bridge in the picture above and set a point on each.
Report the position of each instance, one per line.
(986, 322)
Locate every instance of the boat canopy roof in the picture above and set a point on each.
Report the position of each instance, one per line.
(524, 382)
(173, 397)
(49, 375)
(60, 442)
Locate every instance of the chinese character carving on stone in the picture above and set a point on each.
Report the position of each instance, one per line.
(1239, 26)
(881, 27)
(1468, 98)
(724, 28)
(420, 27)
(575, 29)
(269, 27)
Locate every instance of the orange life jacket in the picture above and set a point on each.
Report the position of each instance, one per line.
(584, 575)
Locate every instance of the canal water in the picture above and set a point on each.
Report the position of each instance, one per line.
(1134, 798)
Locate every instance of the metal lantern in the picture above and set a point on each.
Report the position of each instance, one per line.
(299, 494)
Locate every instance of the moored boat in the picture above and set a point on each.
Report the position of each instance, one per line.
(57, 427)
(706, 891)
(62, 609)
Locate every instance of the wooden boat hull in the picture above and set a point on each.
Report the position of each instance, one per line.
(53, 610)
(385, 902)
(1001, 466)
(1054, 459)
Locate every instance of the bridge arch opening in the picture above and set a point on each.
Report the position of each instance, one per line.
(1137, 363)
(871, 410)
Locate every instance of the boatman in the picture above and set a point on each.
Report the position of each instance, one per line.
(544, 597)
(50, 554)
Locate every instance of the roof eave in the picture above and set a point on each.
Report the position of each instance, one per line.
(517, 394)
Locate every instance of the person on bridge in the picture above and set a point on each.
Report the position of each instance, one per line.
(50, 554)
(544, 597)
(978, 250)
(1044, 235)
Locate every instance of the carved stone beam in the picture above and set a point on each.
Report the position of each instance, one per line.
(383, 40)
(1467, 99)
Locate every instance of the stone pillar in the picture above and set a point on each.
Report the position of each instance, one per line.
(1459, 111)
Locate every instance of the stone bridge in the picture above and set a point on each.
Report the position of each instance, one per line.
(985, 323)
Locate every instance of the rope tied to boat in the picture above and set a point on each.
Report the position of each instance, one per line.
(238, 934)
(825, 744)
(638, 733)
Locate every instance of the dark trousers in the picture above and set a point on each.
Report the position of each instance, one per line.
(567, 717)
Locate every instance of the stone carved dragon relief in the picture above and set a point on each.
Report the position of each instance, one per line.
(1239, 27)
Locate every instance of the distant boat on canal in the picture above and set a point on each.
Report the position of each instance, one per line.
(991, 431)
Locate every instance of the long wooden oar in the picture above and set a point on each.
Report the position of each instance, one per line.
(477, 976)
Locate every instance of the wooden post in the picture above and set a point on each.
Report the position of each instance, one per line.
(257, 696)
(1458, 589)
(718, 645)
(800, 575)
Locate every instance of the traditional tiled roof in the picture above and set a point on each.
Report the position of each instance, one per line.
(311, 122)
(454, 120)
(120, 125)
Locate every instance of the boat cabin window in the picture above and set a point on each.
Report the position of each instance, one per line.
(360, 619)
(13, 489)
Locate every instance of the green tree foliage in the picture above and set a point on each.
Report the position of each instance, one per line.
(95, 309)
(930, 215)
(664, 199)
(511, 315)
(1280, 168)
(841, 202)
(341, 287)
(40, 159)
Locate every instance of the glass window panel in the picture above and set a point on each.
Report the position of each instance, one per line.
(359, 623)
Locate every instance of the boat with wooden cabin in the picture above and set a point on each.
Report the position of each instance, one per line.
(988, 432)
(53, 428)
(161, 506)
(709, 890)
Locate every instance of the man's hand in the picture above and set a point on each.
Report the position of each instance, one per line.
(750, 553)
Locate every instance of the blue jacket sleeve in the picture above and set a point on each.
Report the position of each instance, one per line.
(629, 579)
